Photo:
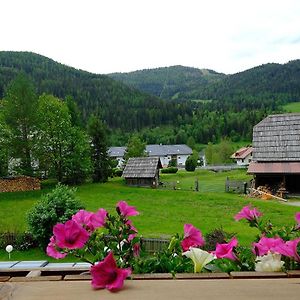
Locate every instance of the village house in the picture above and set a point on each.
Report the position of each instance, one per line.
(166, 153)
(117, 153)
(142, 171)
(242, 156)
(276, 152)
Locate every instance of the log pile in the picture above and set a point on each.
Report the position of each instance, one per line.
(19, 184)
(266, 193)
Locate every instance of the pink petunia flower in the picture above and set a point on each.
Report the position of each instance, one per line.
(52, 250)
(192, 237)
(264, 245)
(82, 217)
(125, 210)
(106, 274)
(98, 219)
(90, 221)
(248, 214)
(70, 235)
(136, 250)
(131, 227)
(226, 250)
(297, 217)
(290, 249)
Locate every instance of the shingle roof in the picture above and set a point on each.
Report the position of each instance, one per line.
(162, 150)
(277, 138)
(141, 167)
(116, 151)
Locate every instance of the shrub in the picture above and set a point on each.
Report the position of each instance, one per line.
(117, 172)
(172, 162)
(191, 163)
(48, 183)
(55, 207)
(169, 170)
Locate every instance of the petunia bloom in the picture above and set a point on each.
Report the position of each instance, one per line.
(297, 218)
(52, 250)
(98, 219)
(132, 228)
(106, 274)
(70, 235)
(226, 250)
(192, 237)
(90, 221)
(264, 245)
(290, 249)
(200, 258)
(248, 214)
(269, 263)
(125, 210)
(82, 217)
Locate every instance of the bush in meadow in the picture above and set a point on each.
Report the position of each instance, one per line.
(57, 206)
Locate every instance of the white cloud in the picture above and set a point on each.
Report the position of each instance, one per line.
(117, 35)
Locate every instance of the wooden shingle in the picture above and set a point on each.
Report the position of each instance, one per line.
(277, 138)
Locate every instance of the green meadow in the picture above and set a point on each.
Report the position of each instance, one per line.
(163, 212)
(293, 107)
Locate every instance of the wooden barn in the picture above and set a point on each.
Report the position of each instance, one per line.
(142, 171)
(276, 152)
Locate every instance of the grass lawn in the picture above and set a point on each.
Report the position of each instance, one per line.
(293, 107)
(162, 212)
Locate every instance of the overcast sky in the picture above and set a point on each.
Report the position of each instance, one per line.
(105, 36)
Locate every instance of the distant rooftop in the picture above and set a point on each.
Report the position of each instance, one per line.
(162, 150)
(116, 151)
(242, 153)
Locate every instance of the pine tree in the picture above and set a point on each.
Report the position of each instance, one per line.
(100, 159)
(20, 115)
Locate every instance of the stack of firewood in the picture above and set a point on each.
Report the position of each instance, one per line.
(19, 184)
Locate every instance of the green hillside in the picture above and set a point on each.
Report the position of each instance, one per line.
(176, 82)
(121, 106)
(293, 107)
(270, 81)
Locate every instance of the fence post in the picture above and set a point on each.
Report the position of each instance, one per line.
(227, 185)
(197, 185)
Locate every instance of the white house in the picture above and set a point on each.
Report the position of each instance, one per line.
(117, 153)
(168, 152)
(243, 156)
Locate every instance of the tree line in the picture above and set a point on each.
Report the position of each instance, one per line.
(43, 136)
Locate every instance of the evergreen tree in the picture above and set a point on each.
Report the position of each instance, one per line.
(20, 115)
(4, 147)
(100, 160)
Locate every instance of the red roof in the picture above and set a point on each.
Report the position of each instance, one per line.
(274, 168)
(242, 153)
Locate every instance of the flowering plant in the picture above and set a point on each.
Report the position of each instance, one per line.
(108, 242)
(111, 245)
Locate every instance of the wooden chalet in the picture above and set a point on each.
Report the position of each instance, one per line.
(276, 152)
(142, 171)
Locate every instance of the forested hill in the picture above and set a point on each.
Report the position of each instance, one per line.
(176, 82)
(268, 81)
(120, 106)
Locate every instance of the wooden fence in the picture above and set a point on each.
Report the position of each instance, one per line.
(154, 245)
(237, 186)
